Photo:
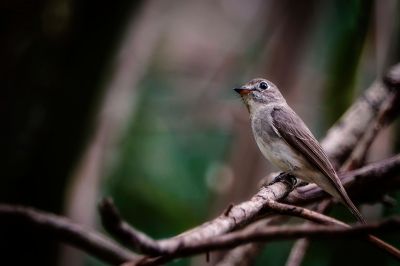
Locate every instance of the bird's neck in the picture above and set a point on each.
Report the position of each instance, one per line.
(256, 107)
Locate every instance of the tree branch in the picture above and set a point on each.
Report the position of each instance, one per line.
(234, 218)
(298, 252)
(371, 182)
(66, 231)
(289, 232)
(300, 247)
(368, 183)
(275, 233)
(237, 216)
(245, 254)
(361, 115)
(388, 111)
(320, 218)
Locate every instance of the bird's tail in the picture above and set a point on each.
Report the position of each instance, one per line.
(350, 205)
(339, 192)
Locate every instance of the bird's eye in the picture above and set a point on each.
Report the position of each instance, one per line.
(263, 85)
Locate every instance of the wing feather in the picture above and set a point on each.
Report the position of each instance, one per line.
(298, 136)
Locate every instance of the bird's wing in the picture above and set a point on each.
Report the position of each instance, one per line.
(293, 130)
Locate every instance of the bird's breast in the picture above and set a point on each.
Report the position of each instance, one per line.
(273, 146)
(278, 153)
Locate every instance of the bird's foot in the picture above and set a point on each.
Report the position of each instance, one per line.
(286, 178)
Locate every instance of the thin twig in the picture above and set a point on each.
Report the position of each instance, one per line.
(66, 231)
(245, 254)
(290, 232)
(300, 247)
(320, 218)
(298, 252)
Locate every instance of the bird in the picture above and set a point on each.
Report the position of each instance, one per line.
(285, 140)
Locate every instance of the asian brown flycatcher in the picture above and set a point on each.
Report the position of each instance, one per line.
(286, 141)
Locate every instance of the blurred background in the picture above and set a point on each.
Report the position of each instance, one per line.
(134, 100)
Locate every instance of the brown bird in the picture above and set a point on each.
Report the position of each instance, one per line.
(286, 141)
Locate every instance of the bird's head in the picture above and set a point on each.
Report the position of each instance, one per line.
(259, 92)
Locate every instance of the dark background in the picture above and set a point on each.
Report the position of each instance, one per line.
(133, 99)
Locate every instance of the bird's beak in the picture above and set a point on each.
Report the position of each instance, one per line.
(242, 90)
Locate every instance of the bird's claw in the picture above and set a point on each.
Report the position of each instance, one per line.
(286, 178)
